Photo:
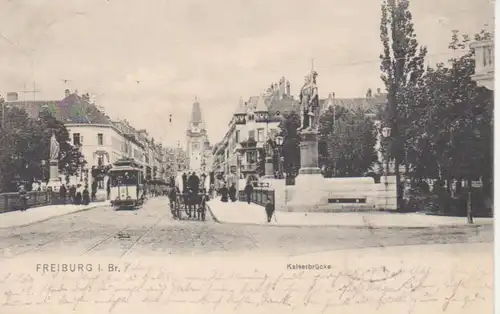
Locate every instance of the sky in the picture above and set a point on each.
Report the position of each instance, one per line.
(144, 60)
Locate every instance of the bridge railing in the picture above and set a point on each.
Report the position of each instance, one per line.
(12, 201)
(260, 194)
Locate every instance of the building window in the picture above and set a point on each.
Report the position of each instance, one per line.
(100, 161)
(250, 117)
(237, 136)
(251, 135)
(100, 139)
(260, 135)
(251, 157)
(77, 140)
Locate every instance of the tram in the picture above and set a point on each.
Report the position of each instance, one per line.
(126, 184)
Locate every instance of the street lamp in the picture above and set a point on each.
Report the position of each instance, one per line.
(386, 133)
(81, 168)
(281, 159)
(44, 162)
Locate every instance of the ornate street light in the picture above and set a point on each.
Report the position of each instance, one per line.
(386, 132)
(281, 159)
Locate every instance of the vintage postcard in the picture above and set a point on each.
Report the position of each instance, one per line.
(223, 156)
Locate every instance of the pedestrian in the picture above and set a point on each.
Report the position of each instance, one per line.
(232, 192)
(62, 193)
(78, 195)
(108, 189)
(248, 191)
(269, 210)
(184, 182)
(23, 197)
(72, 194)
(94, 190)
(224, 193)
(85, 196)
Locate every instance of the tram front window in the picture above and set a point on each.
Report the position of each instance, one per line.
(123, 178)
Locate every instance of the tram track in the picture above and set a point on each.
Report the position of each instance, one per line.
(118, 234)
(37, 246)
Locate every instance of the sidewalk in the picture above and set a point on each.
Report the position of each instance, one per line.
(42, 213)
(243, 213)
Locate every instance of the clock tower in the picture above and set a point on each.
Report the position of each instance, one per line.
(197, 141)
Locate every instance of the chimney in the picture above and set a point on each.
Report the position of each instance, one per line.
(12, 96)
(369, 93)
(378, 91)
(333, 95)
(288, 88)
(66, 92)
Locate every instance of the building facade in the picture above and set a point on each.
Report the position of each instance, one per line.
(484, 52)
(101, 140)
(197, 143)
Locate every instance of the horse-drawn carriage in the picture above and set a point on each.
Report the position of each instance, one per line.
(192, 204)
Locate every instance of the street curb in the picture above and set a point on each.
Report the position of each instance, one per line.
(212, 214)
(368, 226)
(52, 217)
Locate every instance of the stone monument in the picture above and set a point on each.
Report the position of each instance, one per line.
(308, 131)
(312, 192)
(54, 179)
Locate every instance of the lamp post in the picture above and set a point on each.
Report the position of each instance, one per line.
(279, 142)
(43, 163)
(386, 133)
(81, 168)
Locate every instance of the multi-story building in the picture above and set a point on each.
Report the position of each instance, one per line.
(101, 140)
(253, 123)
(198, 145)
(257, 120)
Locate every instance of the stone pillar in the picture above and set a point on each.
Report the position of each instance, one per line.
(269, 168)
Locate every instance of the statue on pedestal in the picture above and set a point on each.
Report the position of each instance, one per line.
(309, 104)
(54, 148)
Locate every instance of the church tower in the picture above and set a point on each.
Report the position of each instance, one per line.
(197, 140)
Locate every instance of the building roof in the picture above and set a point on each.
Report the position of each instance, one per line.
(72, 109)
(241, 108)
(261, 105)
(368, 105)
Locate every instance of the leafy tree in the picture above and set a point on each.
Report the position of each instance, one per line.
(291, 141)
(454, 132)
(402, 66)
(346, 143)
(26, 143)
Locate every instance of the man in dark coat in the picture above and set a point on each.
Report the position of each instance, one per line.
(269, 210)
(248, 191)
(62, 194)
(184, 182)
(85, 196)
(194, 183)
(72, 193)
(224, 193)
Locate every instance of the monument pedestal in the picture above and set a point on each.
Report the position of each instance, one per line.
(54, 180)
(308, 191)
(269, 169)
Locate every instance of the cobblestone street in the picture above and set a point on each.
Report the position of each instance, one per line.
(151, 231)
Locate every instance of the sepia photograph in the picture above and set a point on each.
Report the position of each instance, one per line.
(224, 156)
